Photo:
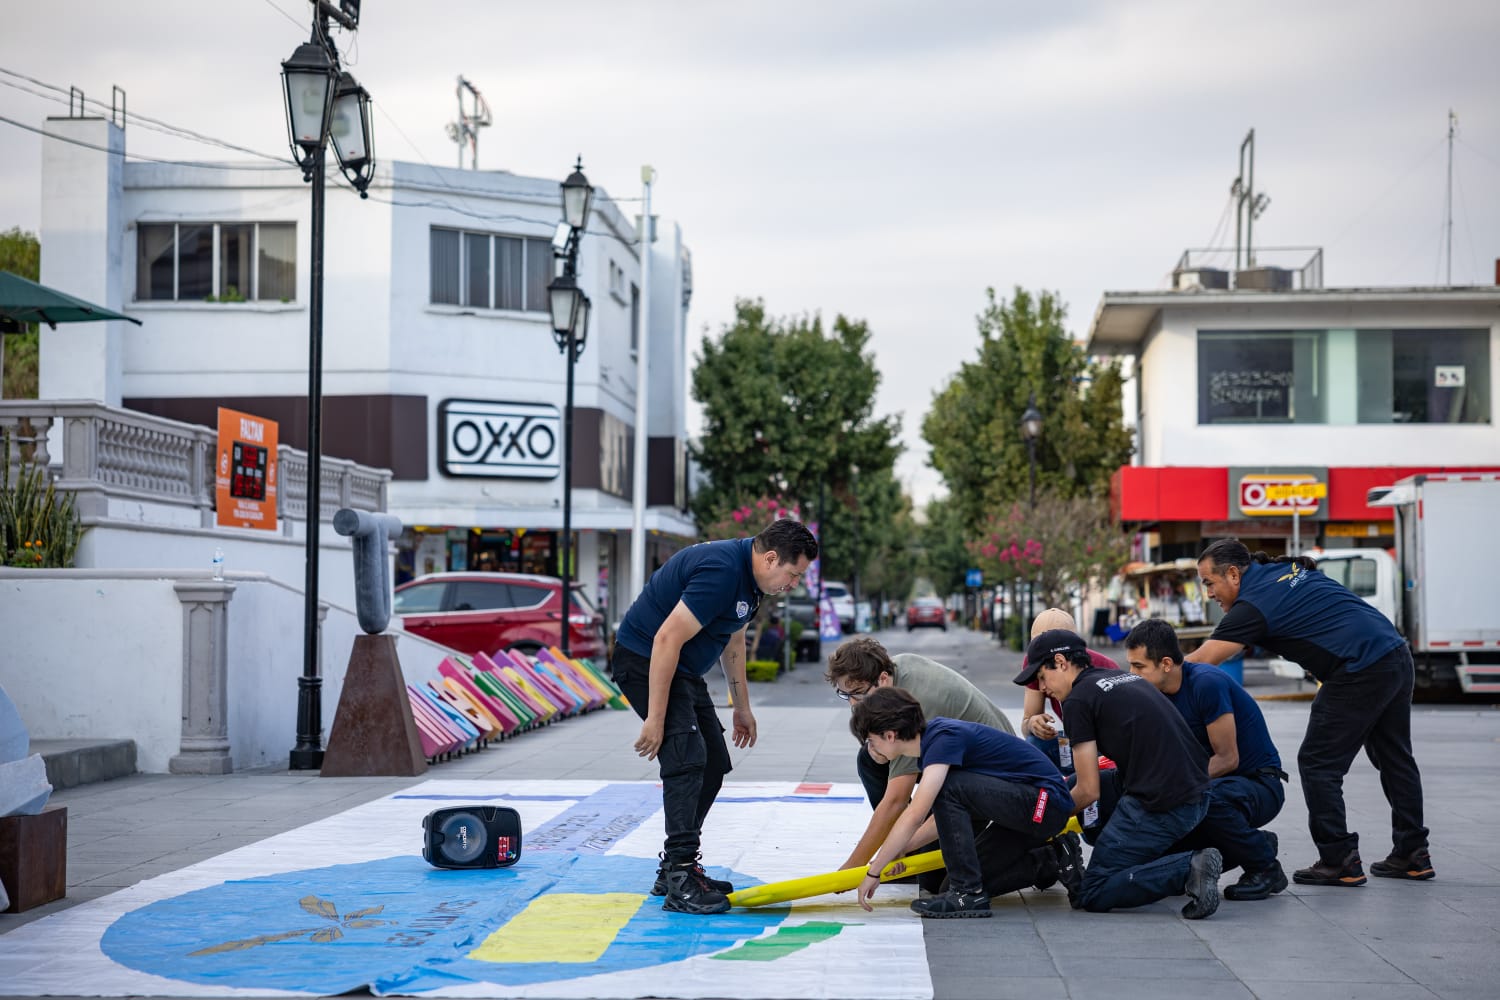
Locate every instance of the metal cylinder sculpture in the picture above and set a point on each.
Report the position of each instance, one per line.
(372, 534)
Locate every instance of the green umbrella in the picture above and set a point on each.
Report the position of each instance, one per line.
(23, 301)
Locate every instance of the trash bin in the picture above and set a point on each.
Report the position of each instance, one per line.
(1235, 668)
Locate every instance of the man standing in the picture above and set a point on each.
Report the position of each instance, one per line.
(1244, 769)
(1367, 675)
(1163, 781)
(973, 776)
(861, 666)
(693, 610)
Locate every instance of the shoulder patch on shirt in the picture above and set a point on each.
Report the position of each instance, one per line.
(742, 609)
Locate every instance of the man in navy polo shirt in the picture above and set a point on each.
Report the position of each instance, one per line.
(1364, 699)
(694, 610)
(1244, 769)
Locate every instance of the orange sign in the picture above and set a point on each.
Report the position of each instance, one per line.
(245, 473)
(1279, 494)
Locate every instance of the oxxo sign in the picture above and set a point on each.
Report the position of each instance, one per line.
(499, 440)
(1259, 493)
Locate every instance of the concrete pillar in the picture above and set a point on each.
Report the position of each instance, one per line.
(83, 235)
(205, 678)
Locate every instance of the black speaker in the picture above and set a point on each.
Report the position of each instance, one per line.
(472, 837)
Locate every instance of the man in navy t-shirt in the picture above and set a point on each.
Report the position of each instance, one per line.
(691, 612)
(1244, 769)
(971, 775)
(1364, 700)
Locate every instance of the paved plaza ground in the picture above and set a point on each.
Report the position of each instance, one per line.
(1388, 939)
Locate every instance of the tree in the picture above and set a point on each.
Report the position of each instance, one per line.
(973, 427)
(789, 414)
(20, 253)
(1064, 542)
(945, 559)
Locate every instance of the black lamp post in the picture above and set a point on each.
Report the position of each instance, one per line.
(854, 513)
(1031, 429)
(570, 329)
(321, 103)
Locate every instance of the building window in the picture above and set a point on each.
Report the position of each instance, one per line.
(490, 271)
(635, 318)
(1255, 377)
(1344, 376)
(216, 262)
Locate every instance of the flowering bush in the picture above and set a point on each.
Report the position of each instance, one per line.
(749, 519)
(39, 526)
(1059, 543)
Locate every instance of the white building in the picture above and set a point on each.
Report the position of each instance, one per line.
(1289, 382)
(438, 356)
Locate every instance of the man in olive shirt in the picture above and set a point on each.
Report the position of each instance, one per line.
(861, 665)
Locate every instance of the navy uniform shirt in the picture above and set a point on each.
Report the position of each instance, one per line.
(987, 750)
(1133, 723)
(1208, 693)
(715, 581)
(1304, 616)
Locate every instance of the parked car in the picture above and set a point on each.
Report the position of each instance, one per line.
(926, 611)
(484, 612)
(843, 603)
(803, 609)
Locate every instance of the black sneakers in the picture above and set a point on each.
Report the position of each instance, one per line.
(1416, 866)
(1348, 872)
(689, 891)
(1203, 884)
(1261, 884)
(1068, 850)
(659, 888)
(953, 904)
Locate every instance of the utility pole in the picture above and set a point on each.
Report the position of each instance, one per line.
(643, 324)
(1248, 205)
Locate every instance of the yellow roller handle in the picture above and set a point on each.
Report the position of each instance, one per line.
(842, 881)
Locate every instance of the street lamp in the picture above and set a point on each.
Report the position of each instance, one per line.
(570, 329)
(854, 512)
(1031, 429)
(322, 102)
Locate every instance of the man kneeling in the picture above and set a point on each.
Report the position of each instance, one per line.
(972, 776)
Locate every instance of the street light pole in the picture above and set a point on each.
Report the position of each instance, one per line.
(570, 324)
(322, 103)
(1031, 429)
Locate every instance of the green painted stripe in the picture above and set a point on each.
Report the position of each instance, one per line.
(784, 942)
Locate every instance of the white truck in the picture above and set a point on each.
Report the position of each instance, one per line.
(1438, 589)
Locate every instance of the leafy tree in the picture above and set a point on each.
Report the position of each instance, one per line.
(20, 253)
(789, 414)
(945, 560)
(973, 427)
(1064, 542)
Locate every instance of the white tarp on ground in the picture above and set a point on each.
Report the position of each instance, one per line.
(348, 902)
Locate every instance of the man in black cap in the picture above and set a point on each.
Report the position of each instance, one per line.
(1163, 776)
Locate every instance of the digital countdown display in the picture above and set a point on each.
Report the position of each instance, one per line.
(245, 472)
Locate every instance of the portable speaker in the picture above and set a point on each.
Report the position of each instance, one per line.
(472, 837)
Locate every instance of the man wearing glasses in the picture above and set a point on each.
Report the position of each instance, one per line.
(862, 665)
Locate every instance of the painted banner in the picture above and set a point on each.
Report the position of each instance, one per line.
(245, 480)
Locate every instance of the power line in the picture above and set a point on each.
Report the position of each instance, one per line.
(199, 164)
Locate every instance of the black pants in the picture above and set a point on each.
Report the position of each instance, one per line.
(1368, 708)
(1000, 869)
(1014, 818)
(693, 758)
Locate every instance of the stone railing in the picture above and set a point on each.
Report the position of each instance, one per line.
(111, 453)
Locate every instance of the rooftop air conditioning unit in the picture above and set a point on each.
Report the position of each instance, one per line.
(1192, 279)
(1264, 279)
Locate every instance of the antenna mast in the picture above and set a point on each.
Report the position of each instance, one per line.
(1249, 206)
(465, 131)
(1452, 125)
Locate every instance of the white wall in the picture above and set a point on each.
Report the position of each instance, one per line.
(108, 663)
(1171, 435)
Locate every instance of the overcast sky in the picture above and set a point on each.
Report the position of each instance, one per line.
(883, 160)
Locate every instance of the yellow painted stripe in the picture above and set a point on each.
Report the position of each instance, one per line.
(561, 927)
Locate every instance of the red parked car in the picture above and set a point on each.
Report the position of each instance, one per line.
(484, 612)
(926, 611)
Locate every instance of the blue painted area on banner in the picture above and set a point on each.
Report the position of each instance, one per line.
(397, 924)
